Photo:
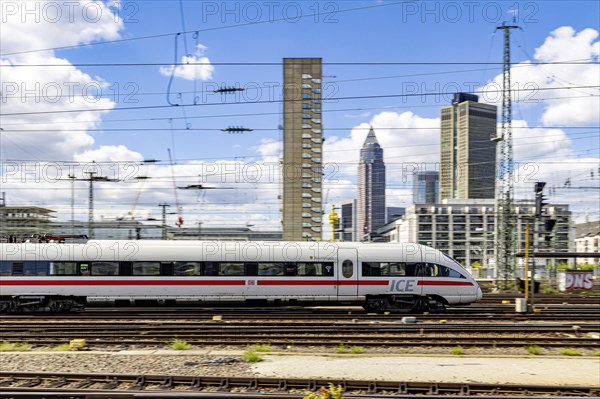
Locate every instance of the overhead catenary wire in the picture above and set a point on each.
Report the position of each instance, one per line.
(162, 35)
(404, 95)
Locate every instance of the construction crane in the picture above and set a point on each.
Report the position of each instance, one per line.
(179, 209)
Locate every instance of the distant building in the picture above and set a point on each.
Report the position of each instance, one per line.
(464, 229)
(302, 149)
(394, 213)
(426, 187)
(587, 239)
(370, 212)
(135, 230)
(23, 221)
(111, 229)
(347, 230)
(467, 152)
(347, 222)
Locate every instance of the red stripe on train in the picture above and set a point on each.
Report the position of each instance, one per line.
(185, 282)
(442, 282)
(122, 282)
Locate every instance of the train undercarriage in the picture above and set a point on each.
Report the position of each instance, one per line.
(41, 303)
(64, 304)
(403, 303)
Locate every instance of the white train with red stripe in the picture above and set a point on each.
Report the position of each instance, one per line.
(379, 277)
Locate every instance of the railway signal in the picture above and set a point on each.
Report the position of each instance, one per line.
(539, 198)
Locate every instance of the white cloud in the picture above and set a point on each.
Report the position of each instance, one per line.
(574, 106)
(30, 91)
(203, 71)
(41, 24)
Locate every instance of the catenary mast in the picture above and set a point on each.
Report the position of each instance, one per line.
(505, 216)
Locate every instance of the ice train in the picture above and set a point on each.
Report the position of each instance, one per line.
(58, 277)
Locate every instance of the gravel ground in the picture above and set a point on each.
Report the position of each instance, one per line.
(414, 364)
(124, 363)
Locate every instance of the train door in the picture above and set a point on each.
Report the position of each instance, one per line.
(347, 273)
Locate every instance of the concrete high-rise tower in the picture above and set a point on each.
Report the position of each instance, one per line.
(302, 149)
(370, 204)
(468, 156)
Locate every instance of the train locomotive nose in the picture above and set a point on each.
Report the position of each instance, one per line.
(479, 293)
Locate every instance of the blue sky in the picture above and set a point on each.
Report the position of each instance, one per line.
(560, 135)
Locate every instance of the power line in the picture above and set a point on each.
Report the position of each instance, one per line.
(146, 107)
(161, 35)
(192, 129)
(347, 63)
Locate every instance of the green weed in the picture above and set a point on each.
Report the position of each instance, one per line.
(533, 349)
(332, 392)
(180, 345)
(569, 352)
(252, 357)
(457, 350)
(11, 347)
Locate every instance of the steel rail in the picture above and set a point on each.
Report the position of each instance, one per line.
(13, 382)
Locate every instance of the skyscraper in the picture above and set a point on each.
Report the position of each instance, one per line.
(426, 187)
(467, 154)
(302, 147)
(370, 212)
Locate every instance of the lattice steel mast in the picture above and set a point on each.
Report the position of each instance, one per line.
(505, 216)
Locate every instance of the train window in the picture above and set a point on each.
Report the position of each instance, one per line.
(291, 270)
(63, 268)
(211, 268)
(187, 269)
(17, 268)
(347, 268)
(84, 269)
(231, 269)
(394, 269)
(454, 274)
(146, 268)
(105, 268)
(431, 270)
(35, 268)
(442, 271)
(315, 269)
(370, 269)
(271, 269)
(5, 268)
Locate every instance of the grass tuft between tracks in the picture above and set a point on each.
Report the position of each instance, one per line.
(331, 392)
(457, 350)
(252, 357)
(261, 348)
(180, 345)
(569, 352)
(62, 348)
(16, 346)
(533, 349)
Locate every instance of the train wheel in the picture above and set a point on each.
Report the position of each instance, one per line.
(378, 305)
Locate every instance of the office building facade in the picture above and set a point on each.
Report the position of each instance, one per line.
(370, 212)
(465, 230)
(467, 152)
(426, 187)
(302, 149)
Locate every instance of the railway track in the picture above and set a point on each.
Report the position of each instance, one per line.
(19, 384)
(241, 332)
